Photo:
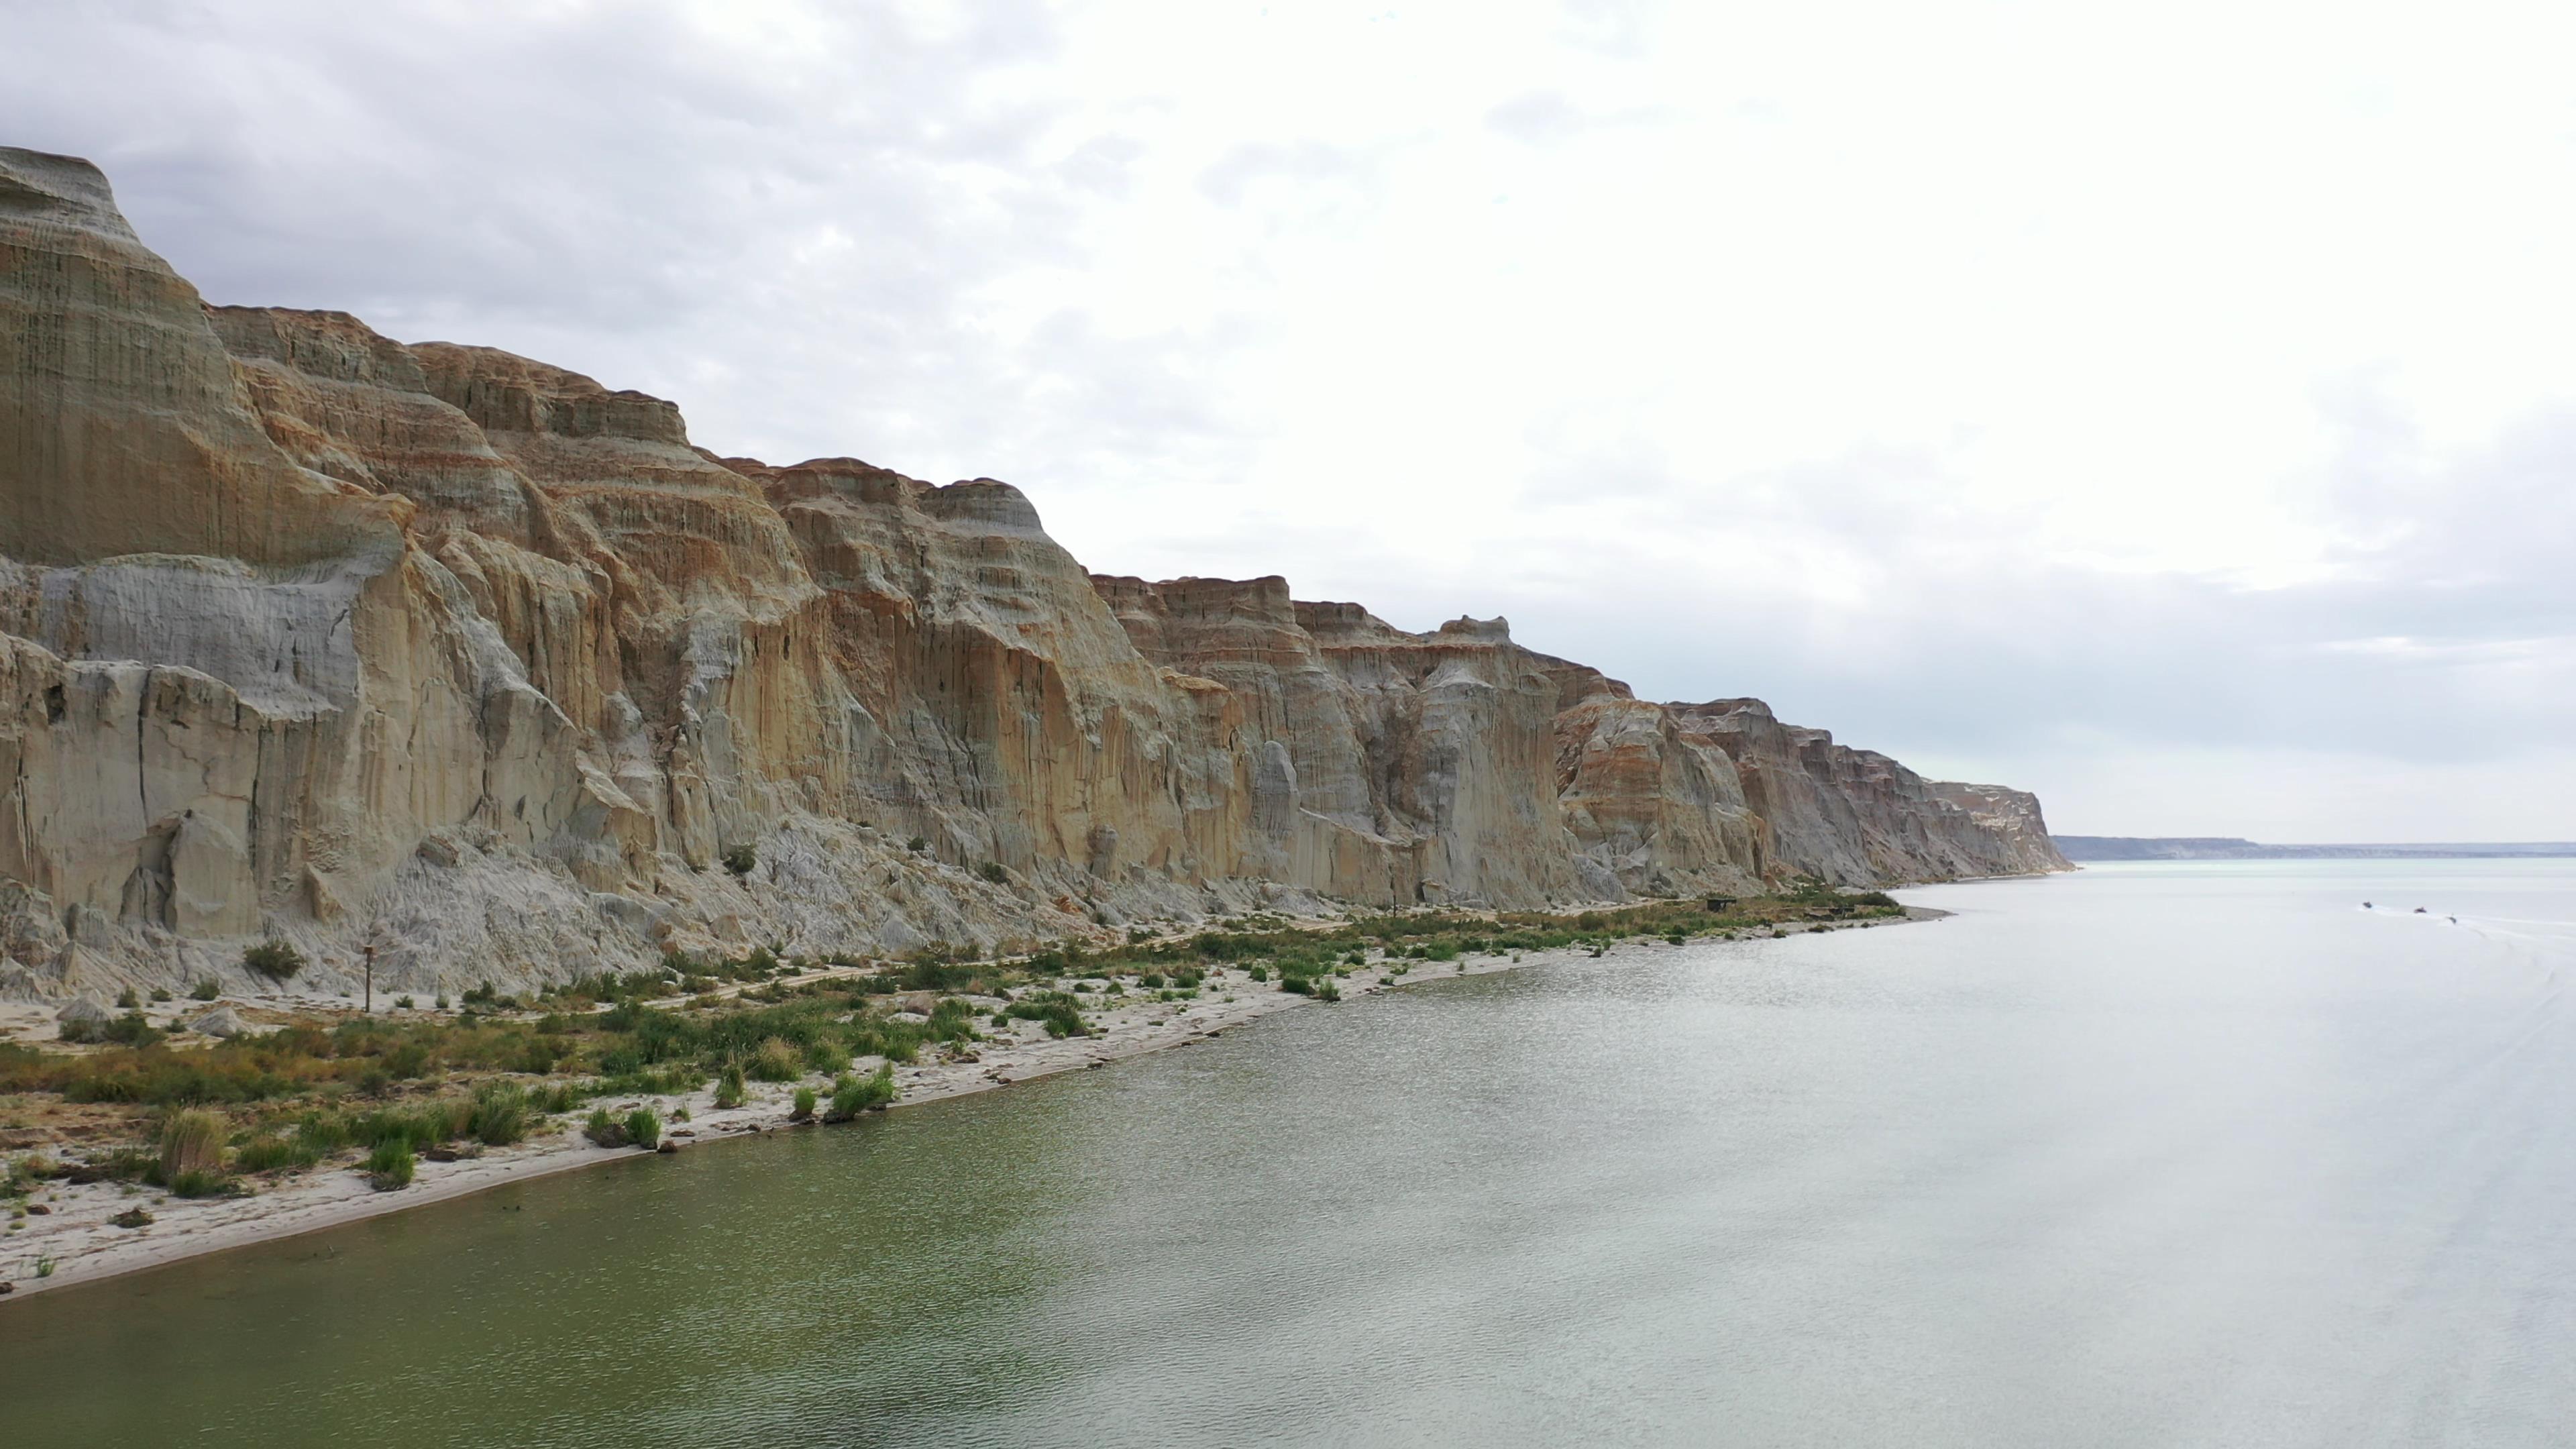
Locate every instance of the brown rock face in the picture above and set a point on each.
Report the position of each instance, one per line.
(307, 631)
(1855, 816)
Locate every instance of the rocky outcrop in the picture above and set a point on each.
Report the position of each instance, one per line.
(1453, 765)
(2008, 832)
(1853, 817)
(310, 632)
(223, 1021)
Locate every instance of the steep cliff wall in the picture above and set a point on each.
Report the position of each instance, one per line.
(305, 630)
(1854, 817)
(1453, 765)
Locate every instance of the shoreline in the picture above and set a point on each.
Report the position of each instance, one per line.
(86, 1248)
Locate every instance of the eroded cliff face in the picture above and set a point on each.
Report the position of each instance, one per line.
(1853, 817)
(307, 631)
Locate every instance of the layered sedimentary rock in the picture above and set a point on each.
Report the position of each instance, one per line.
(1449, 765)
(433, 648)
(1854, 816)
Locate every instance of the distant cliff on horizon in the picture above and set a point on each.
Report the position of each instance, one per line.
(2081, 848)
(433, 648)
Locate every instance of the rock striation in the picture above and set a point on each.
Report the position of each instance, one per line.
(439, 650)
(1855, 816)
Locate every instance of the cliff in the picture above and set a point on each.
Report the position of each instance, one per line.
(307, 631)
(1855, 816)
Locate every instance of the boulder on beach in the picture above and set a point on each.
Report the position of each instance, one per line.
(222, 1021)
(84, 1011)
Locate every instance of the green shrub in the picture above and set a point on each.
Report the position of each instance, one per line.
(131, 1030)
(402, 1003)
(740, 859)
(845, 1102)
(205, 990)
(410, 1059)
(1058, 1012)
(953, 1019)
(649, 1082)
(202, 1184)
(29, 1170)
(991, 870)
(644, 1128)
(422, 1124)
(269, 1153)
(126, 1164)
(804, 1111)
(274, 959)
(324, 1132)
(916, 844)
(730, 1091)
(853, 1095)
(604, 1130)
(391, 1165)
(500, 1114)
(128, 1001)
(1326, 989)
(192, 1141)
(777, 1060)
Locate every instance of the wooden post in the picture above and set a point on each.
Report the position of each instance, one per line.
(370, 950)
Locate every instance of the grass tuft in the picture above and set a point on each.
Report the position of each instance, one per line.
(391, 1165)
(500, 1114)
(192, 1141)
(853, 1095)
(777, 1060)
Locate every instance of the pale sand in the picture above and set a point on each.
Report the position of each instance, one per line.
(86, 1248)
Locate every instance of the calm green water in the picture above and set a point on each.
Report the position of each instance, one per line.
(2154, 1155)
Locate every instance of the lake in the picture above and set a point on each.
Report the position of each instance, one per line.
(2160, 1154)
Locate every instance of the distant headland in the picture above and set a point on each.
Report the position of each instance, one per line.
(2227, 847)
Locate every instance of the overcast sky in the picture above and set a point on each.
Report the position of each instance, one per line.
(2170, 409)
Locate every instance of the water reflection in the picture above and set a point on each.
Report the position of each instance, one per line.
(2157, 1155)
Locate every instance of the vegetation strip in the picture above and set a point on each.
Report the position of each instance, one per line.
(381, 1094)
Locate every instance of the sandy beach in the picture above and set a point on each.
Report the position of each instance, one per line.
(69, 1225)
